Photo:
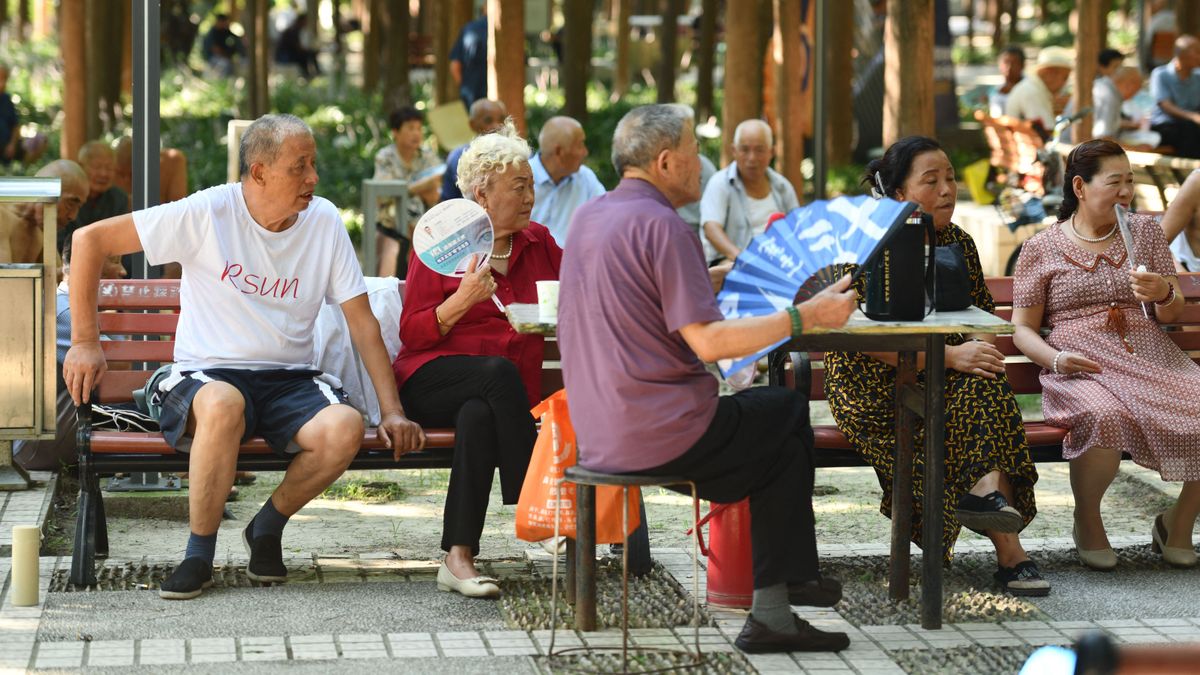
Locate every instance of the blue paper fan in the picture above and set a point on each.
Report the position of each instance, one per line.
(799, 255)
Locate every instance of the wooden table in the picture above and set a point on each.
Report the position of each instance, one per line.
(906, 338)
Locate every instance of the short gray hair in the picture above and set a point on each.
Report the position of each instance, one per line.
(490, 154)
(262, 139)
(749, 125)
(646, 131)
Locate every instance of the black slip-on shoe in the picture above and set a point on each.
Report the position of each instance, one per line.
(1023, 579)
(822, 592)
(187, 581)
(266, 556)
(756, 638)
(988, 514)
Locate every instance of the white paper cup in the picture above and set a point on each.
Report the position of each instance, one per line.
(547, 292)
(26, 541)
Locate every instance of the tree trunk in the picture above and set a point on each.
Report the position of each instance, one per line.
(395, 88)
(706, 62)
(577, 56)
(995, 11)
(3, 13)
(669, 65)
(506, 56)
(841, 77)
(743, 71)
(1043, 10)
(259, 50)
(372, 34)
(908, 61)
(1087, 45)
(72, 40)
(1188, 17)
(127, 50)
(794, 71)
(313, 9)
(969, 11)
(1013, 5)
(770, 43)
(621, 73)
(21, 29)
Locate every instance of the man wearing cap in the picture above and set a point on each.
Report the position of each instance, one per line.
(1033, 97)
(1176, 91)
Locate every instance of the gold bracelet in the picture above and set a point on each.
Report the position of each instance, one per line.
(439, 319)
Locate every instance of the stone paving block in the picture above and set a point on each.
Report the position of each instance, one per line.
(458, 635)
(310, 639)
(515, 651)
(822, 670)
(58, 662)
(510, 642)
(110, 659)
(214, 657)
(212, 646)
(650, 632)
(1178, 630)
(1119, 623)
(413, 652)
(420, 638)
(999, 642)
(884, 630)
(106, 646)
(505, 634)
(1179, 621)
(373, 638)
(773, 663)
(356, 653)
(720, 647)
(1154, 638)
(1043, 641)
(467, 652)
(893, 645)
(162, 657)
(272, 655)
(261, 641)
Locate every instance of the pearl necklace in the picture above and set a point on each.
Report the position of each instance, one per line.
(507, 255)
(1092, 240)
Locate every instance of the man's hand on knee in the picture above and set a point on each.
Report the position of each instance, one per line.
(401, 434)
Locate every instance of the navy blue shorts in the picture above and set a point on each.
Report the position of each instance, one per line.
(278, 403)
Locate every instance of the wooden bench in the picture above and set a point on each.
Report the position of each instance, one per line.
(145, 315)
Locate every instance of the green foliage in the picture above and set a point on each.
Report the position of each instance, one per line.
(360, 490)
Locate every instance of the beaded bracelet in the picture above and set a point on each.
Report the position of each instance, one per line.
(1054, 366)
(1170, 296)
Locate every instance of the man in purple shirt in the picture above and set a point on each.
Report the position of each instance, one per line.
(637, 319)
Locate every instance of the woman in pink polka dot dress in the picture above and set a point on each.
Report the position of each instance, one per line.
(1111, 376)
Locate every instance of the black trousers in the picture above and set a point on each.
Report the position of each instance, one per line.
(483, 398)
(1183, 135)
(759, 445)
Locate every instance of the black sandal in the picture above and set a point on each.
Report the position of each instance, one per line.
(1024, 579)
(988, 514)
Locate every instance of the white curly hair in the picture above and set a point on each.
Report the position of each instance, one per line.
(491, 154)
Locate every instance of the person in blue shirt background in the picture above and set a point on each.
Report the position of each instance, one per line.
(486, 117)
(560, 178)
(468, 60)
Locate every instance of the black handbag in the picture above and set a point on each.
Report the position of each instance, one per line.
(899, 277)
(952, 282)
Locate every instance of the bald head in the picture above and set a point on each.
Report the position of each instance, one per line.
(487, 115)
(74, 188)
(561, 147)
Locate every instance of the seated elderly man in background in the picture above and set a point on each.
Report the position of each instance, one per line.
(104, 199)
(1011, 65)
(1175, 87)
(405, 158)
(637, 321)
(561, 181)
(739, 199)
(21, 224)
(485, 116)
(1033, 97)
(260, 257)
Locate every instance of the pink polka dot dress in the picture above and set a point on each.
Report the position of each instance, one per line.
(1146, 399)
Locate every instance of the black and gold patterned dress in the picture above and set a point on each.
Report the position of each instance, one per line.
(983, 423)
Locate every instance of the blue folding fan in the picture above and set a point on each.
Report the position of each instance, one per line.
(799, 254)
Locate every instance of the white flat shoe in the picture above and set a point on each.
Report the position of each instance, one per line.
(553, 546)
(478, 587)
(1101, 559)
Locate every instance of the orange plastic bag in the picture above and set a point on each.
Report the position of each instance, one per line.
(554, 451)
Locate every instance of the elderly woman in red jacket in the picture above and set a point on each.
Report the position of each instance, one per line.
(462, 364)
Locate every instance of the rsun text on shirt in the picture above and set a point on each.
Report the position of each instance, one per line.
(256, 284)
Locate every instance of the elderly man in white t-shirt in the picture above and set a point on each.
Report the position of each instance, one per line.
(739, 199)
(1033, 97)
(259, 259)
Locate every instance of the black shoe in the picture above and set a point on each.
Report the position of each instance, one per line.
(188, 580)
(1023, 579)
(822, 592)
(756, 638)
(988, 514)
(266, 556)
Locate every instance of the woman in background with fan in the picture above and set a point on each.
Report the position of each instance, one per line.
(989, 474)
(462, 365)
(1110, 374)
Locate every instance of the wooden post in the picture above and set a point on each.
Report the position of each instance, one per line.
(669, 39)
(259, 50)
(1087, 49)
(743, 71)
(794, 85)
(621, 75)
(706, 59)
(908, 61)
(841, 77)
(71, 42)
(506, 56)
(372, 35)
(577, 57)
(395, 85)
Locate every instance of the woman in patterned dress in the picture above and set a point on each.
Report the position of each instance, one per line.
(1110, 375)
(988, 469)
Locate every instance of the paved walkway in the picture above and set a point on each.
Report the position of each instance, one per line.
(345, 614)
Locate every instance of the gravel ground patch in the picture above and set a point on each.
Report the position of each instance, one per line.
(962, 660)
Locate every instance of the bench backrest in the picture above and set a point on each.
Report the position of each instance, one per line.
(147, 312)
(1022, 373)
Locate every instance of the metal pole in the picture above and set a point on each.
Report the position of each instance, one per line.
(821, 100)
(146, 72)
